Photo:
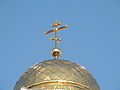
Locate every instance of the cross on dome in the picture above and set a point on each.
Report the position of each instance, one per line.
(56, 51)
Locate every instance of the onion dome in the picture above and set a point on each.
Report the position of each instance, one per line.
(57, 74)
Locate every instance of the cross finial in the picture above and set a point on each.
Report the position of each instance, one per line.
(56, 51)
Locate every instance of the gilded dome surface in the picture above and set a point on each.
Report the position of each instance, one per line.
(57, 75)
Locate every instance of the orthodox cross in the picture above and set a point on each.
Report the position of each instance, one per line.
(56, 51)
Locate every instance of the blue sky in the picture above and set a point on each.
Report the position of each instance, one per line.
(92, 39)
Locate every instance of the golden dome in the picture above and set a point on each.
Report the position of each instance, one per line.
(57, 75)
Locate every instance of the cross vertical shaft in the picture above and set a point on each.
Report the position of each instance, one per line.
(56, 42)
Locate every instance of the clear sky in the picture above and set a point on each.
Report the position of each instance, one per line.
(92, 39)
